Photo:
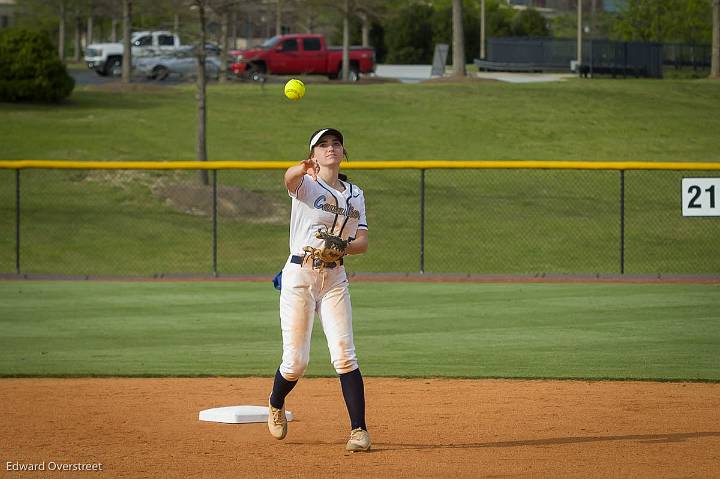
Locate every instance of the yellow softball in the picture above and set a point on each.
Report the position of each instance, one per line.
(294, 89)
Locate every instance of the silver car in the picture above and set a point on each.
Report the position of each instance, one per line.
(182, 63)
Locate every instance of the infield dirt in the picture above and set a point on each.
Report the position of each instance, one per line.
(420, 428)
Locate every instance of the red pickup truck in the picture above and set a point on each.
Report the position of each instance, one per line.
(300, 54)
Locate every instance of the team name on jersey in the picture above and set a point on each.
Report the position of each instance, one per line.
(321, 204)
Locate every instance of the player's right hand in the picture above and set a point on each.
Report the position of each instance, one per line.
(311, 167)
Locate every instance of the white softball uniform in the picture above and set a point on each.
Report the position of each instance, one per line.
(307, 290)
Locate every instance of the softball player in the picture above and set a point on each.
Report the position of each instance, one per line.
(321, 200)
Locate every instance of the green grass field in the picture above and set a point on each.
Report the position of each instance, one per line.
(477, 221)
(660, 331)
(609, 120)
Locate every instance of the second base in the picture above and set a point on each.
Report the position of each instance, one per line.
(238, 414)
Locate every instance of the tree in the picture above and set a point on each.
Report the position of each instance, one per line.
(90, 31)
(346, 41)
(483, 29)
(642, 20)
(76, 37)
(222, 11)
(346, 9)
(458, 39)
(409, 34)
(694, 25)
(529, 23)
(686, 21)
(565, 25)
(442, 27)
(46, 15)
(127, 46)
(278, 17)
(224, 25)
(364, 24)
(200, 146)
(170, 11)
(715, 62)
(498, 17)
(29, 68)
(61, 30)
(369, 11)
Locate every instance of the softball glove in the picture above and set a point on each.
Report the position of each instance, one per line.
(332, 250)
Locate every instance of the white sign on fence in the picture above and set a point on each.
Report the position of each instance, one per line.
(701, 196)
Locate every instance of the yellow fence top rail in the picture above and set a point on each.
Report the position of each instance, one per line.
(357, 165)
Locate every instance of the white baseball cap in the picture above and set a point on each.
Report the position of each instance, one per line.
(315, 137)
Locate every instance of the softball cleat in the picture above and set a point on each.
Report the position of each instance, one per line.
(359, 440)
(277, 421)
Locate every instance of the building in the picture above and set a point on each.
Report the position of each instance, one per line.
(7, 13)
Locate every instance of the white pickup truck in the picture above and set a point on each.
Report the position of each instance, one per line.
(106, 58)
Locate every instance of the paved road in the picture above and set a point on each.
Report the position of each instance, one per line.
(88, 77)
(404, 73)
(85, 76)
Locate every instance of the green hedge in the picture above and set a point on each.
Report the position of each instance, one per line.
(30, 69)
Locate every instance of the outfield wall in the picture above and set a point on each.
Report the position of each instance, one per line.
(478, 217)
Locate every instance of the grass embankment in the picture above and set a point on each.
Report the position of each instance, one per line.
(609, 120)
(477, 221)
(614, 331)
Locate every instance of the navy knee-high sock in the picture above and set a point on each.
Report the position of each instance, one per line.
(354, 393)
(281, 388)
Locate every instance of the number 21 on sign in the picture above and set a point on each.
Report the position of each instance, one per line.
(701, 196)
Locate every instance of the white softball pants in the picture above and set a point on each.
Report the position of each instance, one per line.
(306, 291)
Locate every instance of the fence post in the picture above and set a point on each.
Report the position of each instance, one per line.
(214, 223)
(422, 221)
(622, 221)
(17, 221)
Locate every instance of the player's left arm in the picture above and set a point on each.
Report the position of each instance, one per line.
(360, 244)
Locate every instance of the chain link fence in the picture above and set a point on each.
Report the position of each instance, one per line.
(460, 221)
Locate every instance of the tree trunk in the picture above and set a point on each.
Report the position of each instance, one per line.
(234, 30)
(76, 40)
(365, 29)
(458, 39)
(346, 43)
(113, 30)
(201, 148)
(89, 31)
(267, 26)
(127, 46)
(482, 30)
(310, 20)
(61, 32)
(578, 61)
(224, 17)
(176, 23)
(715, 62)
(278, 18)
